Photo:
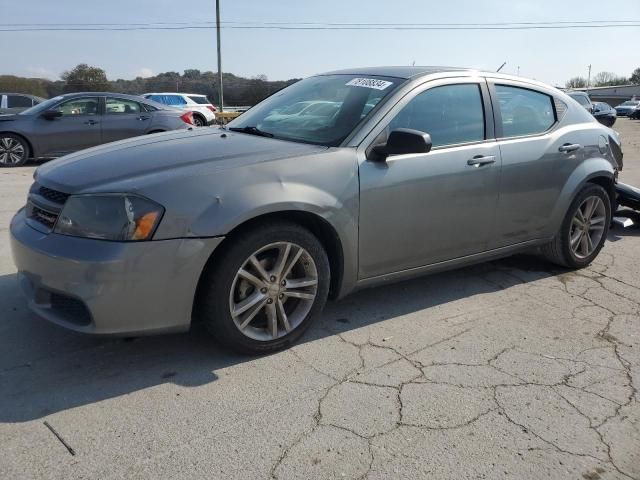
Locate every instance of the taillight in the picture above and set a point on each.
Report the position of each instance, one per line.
(187, 118)
(212, 108)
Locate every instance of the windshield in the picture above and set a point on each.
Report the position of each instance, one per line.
(321, 110)
(41, 107)
(629, 103)
(581, 99)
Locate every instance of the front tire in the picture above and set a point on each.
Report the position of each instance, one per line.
(266, 288)
(14, 150)
(584, 229)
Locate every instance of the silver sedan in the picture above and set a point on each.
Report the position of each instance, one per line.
(249, 229)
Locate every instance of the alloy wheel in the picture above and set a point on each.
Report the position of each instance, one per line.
(11, 151)
(587, 227)
(273, 291)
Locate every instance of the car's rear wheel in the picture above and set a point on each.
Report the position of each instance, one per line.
(198, 121)
(265, 289)
(584, 229)
(14, 150)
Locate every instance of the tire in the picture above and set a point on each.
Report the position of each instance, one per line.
(198, 121)
(223, 288)
(14, 150)
(561, 250)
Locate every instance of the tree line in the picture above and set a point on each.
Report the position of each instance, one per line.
(237, 90)
(86, 78)
(605, 79)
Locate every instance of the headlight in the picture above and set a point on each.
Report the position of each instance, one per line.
(109, 217)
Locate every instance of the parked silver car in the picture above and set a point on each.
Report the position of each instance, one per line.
(71, 122)
(249, 229)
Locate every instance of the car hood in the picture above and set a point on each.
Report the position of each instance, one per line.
(8, 117)
(132, 162)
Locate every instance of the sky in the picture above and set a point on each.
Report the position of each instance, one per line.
(552, 56)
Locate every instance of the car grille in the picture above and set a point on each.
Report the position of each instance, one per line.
(42, 216)
(44, 206)
(53, 195)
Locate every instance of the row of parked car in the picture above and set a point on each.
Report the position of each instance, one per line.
(32, 127)
(605, 113)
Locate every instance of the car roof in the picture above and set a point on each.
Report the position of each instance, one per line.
(404, 72)
(176, 93)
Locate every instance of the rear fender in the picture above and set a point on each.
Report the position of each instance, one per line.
(586, 172)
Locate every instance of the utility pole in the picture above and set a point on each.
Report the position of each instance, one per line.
(518, 70)
(219, 56)
(589, 80)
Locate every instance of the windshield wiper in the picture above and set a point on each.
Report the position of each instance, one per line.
(252, 131)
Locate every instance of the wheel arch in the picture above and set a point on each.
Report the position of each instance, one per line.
(317, 225)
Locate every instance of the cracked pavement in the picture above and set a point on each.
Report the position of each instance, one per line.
(511, 369)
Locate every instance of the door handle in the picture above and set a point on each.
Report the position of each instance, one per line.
(569, 147)
(142, 117)
(91, 122)
(480, 160)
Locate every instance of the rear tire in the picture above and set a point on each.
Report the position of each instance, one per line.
(247, 273)
(583, 231)
(14, 150)
(199, 121)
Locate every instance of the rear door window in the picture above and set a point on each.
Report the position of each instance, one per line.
(524, 111)
(451, 114)
(121, 106)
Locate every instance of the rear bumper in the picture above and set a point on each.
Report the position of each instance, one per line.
(101, 287)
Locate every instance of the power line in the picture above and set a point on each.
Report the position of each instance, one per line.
(320, 28)
(256, 23)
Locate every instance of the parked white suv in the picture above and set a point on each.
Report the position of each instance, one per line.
(203, 110)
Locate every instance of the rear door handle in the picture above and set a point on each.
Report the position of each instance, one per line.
(569, 147)
(480, 160)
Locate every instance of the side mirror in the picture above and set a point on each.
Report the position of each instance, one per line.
(404, 141)
(51, 114)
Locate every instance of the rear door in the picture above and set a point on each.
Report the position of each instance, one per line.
(124, 119)
(420, 209)
(536, 160)
(76, 129)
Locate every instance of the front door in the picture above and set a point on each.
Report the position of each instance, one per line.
(76, 129)
(421, 209)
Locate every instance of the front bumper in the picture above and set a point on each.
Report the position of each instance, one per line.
(103, 287)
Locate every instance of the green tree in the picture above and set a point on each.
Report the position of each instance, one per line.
(635, 77)
(84, 78)
(576, 82)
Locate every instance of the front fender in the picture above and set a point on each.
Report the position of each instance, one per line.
(587, 171)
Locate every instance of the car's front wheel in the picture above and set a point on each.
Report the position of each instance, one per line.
(265, 289)
(14, 150)
(584, 229)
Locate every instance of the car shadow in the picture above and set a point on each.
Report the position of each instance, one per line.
(45, 369)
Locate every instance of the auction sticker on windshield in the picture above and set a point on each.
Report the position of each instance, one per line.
(369, 83)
